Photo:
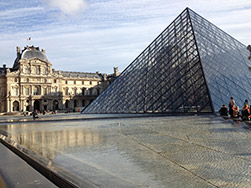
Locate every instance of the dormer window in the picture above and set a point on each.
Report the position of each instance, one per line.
(26, 69)
(45, 70)
(36, 70)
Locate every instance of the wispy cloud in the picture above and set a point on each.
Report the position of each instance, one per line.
(107, 33)
(69, 8)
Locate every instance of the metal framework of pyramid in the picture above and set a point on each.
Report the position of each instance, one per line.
(192, 66)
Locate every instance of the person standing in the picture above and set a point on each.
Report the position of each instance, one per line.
(34, 115)
(231, 104)
(246, 102)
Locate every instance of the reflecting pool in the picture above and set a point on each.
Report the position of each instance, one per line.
(195, 151)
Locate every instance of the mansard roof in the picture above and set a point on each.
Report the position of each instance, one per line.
(81, 74)
(30, 52)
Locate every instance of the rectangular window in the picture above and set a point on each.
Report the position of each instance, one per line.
(27, 91)
(83, 91)
(54, 90)
(66, 91)
(35, 90)
(16, 91)
(45, 70)
(45, 91)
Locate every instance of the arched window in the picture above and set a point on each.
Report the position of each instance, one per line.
(91, 91)
(67, 104)
(15, 106)
(37, 105)
(75, 103)
(55, 105)
(98, 91)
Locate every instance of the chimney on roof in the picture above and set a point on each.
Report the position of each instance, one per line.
(18, 52)
(4, 68)
(18, 49)
(116, 71)
(105, 77)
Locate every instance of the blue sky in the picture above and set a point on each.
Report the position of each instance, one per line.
(97, 35)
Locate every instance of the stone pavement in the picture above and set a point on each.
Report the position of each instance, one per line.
(14, 172)
(172, 151)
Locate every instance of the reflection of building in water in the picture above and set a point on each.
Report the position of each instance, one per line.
(48, 143)
(32, 84)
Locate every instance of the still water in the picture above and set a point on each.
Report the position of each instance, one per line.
(183, 151)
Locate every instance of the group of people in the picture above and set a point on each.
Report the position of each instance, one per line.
(234, 110)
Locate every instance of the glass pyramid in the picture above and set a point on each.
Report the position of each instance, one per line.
(192, 66)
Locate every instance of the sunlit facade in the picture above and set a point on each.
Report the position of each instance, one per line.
(32, 84)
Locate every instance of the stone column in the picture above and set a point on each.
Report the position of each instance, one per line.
(21, 105)
(9, 105)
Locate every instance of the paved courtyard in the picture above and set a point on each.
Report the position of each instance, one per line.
(143, 152)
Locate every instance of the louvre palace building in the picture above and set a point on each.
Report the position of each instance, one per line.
(32, 84)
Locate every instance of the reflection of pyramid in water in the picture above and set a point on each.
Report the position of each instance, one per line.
(192, 66)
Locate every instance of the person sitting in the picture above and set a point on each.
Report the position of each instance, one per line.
(246, 102)
(231, 104)
(246, 112)
(223, 111)
(236, 111)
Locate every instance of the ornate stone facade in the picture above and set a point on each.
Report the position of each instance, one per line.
(32, 84)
